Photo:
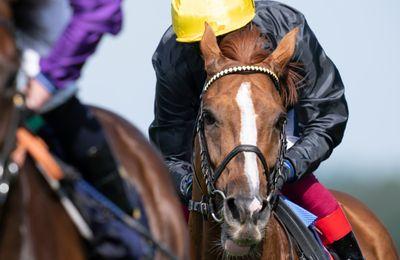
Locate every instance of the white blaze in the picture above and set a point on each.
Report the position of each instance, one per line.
(248, 135)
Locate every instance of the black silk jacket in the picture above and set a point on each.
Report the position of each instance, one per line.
(321, 112)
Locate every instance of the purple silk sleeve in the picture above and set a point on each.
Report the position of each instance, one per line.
(91, 19)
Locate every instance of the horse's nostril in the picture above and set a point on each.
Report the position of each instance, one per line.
(231, 203)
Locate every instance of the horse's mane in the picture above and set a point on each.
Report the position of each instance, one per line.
(248, 46)
(24, 19)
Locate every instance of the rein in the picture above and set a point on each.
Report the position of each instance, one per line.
(207, 205)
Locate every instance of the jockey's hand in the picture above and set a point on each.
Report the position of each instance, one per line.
(181, 173)
(36, 95)
(186, 188)
(287, 175)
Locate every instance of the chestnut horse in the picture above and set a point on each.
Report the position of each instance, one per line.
(240, 129)
(34, 225)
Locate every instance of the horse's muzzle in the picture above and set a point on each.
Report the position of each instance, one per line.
(244, 225)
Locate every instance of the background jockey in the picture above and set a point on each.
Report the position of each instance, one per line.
(57, 37)
(316, 123)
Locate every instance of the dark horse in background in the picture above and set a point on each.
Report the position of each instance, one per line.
(230, 111)
(34, 224)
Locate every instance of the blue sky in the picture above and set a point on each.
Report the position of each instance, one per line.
(361, 37)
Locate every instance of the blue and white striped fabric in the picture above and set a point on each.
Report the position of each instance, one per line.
(306, 217)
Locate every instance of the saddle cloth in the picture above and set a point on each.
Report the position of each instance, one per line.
(305, 216)
(307, 219)
(113, 238)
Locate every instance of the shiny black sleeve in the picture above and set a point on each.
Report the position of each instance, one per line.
(178, 69)
(321, 111)
(174, 117)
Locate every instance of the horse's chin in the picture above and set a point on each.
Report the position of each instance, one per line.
(234, 249)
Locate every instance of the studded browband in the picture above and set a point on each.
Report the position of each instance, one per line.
(242, 69)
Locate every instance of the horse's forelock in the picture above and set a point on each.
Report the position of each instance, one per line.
(245, 45)
(249, 47)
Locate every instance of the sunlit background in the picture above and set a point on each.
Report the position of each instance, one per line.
(361, 37)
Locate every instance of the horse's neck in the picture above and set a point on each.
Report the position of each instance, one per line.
(276, 242)
(35, 224)
(16, 240)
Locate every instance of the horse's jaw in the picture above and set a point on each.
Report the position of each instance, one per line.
(236, 250)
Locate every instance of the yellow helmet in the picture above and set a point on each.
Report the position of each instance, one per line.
(224, 16)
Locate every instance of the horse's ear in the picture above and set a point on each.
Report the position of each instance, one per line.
(212, 54)
(282, 55)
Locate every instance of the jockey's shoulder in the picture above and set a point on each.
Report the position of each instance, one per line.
(277, 10)
(276, 5)
(169, 52)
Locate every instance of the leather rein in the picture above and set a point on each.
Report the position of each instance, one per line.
(211, 175)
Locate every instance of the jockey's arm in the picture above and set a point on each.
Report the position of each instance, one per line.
(91, 19)
(176, 103)
(321, 111)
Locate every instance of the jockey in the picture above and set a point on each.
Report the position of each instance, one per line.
(56, 38)
(316, 123)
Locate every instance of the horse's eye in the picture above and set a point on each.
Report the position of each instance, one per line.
(280, 121)
(209, 118)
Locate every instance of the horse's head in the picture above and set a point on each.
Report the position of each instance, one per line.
(8, 51)
(245, 109)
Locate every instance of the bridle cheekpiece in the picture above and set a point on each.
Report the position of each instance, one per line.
(207, 205)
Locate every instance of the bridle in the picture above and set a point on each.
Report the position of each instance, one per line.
(207, 205)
